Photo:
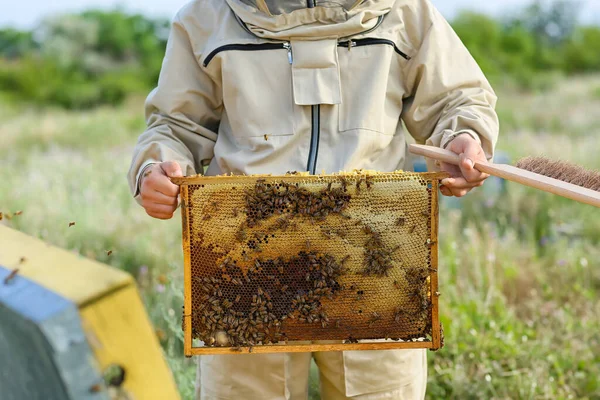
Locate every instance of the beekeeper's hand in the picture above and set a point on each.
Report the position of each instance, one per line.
(464, 177)
(159, 195)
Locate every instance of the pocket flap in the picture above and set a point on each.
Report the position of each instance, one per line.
(315, 72)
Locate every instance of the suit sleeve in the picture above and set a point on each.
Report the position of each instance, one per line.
(182, 112)
(448, 93)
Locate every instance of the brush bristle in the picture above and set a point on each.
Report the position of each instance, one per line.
(562, 170)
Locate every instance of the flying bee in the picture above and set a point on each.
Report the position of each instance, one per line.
(109, 252)
(266, 137)
(18, 212)
(71, 224)
(95, 388)
(11, 276)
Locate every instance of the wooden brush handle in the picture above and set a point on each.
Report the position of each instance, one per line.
(514, 174)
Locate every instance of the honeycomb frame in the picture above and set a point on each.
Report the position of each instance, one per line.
(307, 318)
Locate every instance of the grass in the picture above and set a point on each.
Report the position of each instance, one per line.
(520, 275)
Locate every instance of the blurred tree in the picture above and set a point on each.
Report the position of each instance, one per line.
(98, 57)
(82, 60)
(15, 44)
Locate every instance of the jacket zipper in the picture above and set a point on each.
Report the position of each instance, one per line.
(371, 41)
(314, 139)
(249, 47)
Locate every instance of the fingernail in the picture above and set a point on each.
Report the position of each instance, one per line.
(471, 163)
(446, 181)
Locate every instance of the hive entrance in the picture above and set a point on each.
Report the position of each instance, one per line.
(283, 263)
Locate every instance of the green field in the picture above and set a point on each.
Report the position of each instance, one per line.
(520, 269)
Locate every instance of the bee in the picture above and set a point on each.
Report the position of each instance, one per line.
(235, 212)
(344, 183)
(71, 224)
(338, 323)
(358, 182)
(412, 229)
(437, 294)
(236, 281)
(109, 252)
(1, 216)
(430, 243)
(18, 213)
(206, 217)
(307, 244)
(284, 288)
(369, 181)
(425, 214)
(240, 235)
(215, 205)
(22, 260)
(398, 315)
(400, 221)
(266, 137)
(345, 259)
(95, 388)
(11, 276)
(374, 318)
(327, 234)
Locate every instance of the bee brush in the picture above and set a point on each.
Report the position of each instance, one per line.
(557, 177)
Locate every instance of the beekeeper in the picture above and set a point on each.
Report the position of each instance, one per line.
(270, 86)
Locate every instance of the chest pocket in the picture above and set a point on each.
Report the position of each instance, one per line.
(365, 73)
(257, 88)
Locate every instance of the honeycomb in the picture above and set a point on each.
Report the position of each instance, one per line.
(346, 257)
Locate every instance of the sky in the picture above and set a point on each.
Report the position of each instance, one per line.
(25, 14)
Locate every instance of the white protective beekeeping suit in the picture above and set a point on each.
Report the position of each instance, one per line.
(328, 84)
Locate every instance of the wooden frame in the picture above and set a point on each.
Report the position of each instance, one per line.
(291, 347)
